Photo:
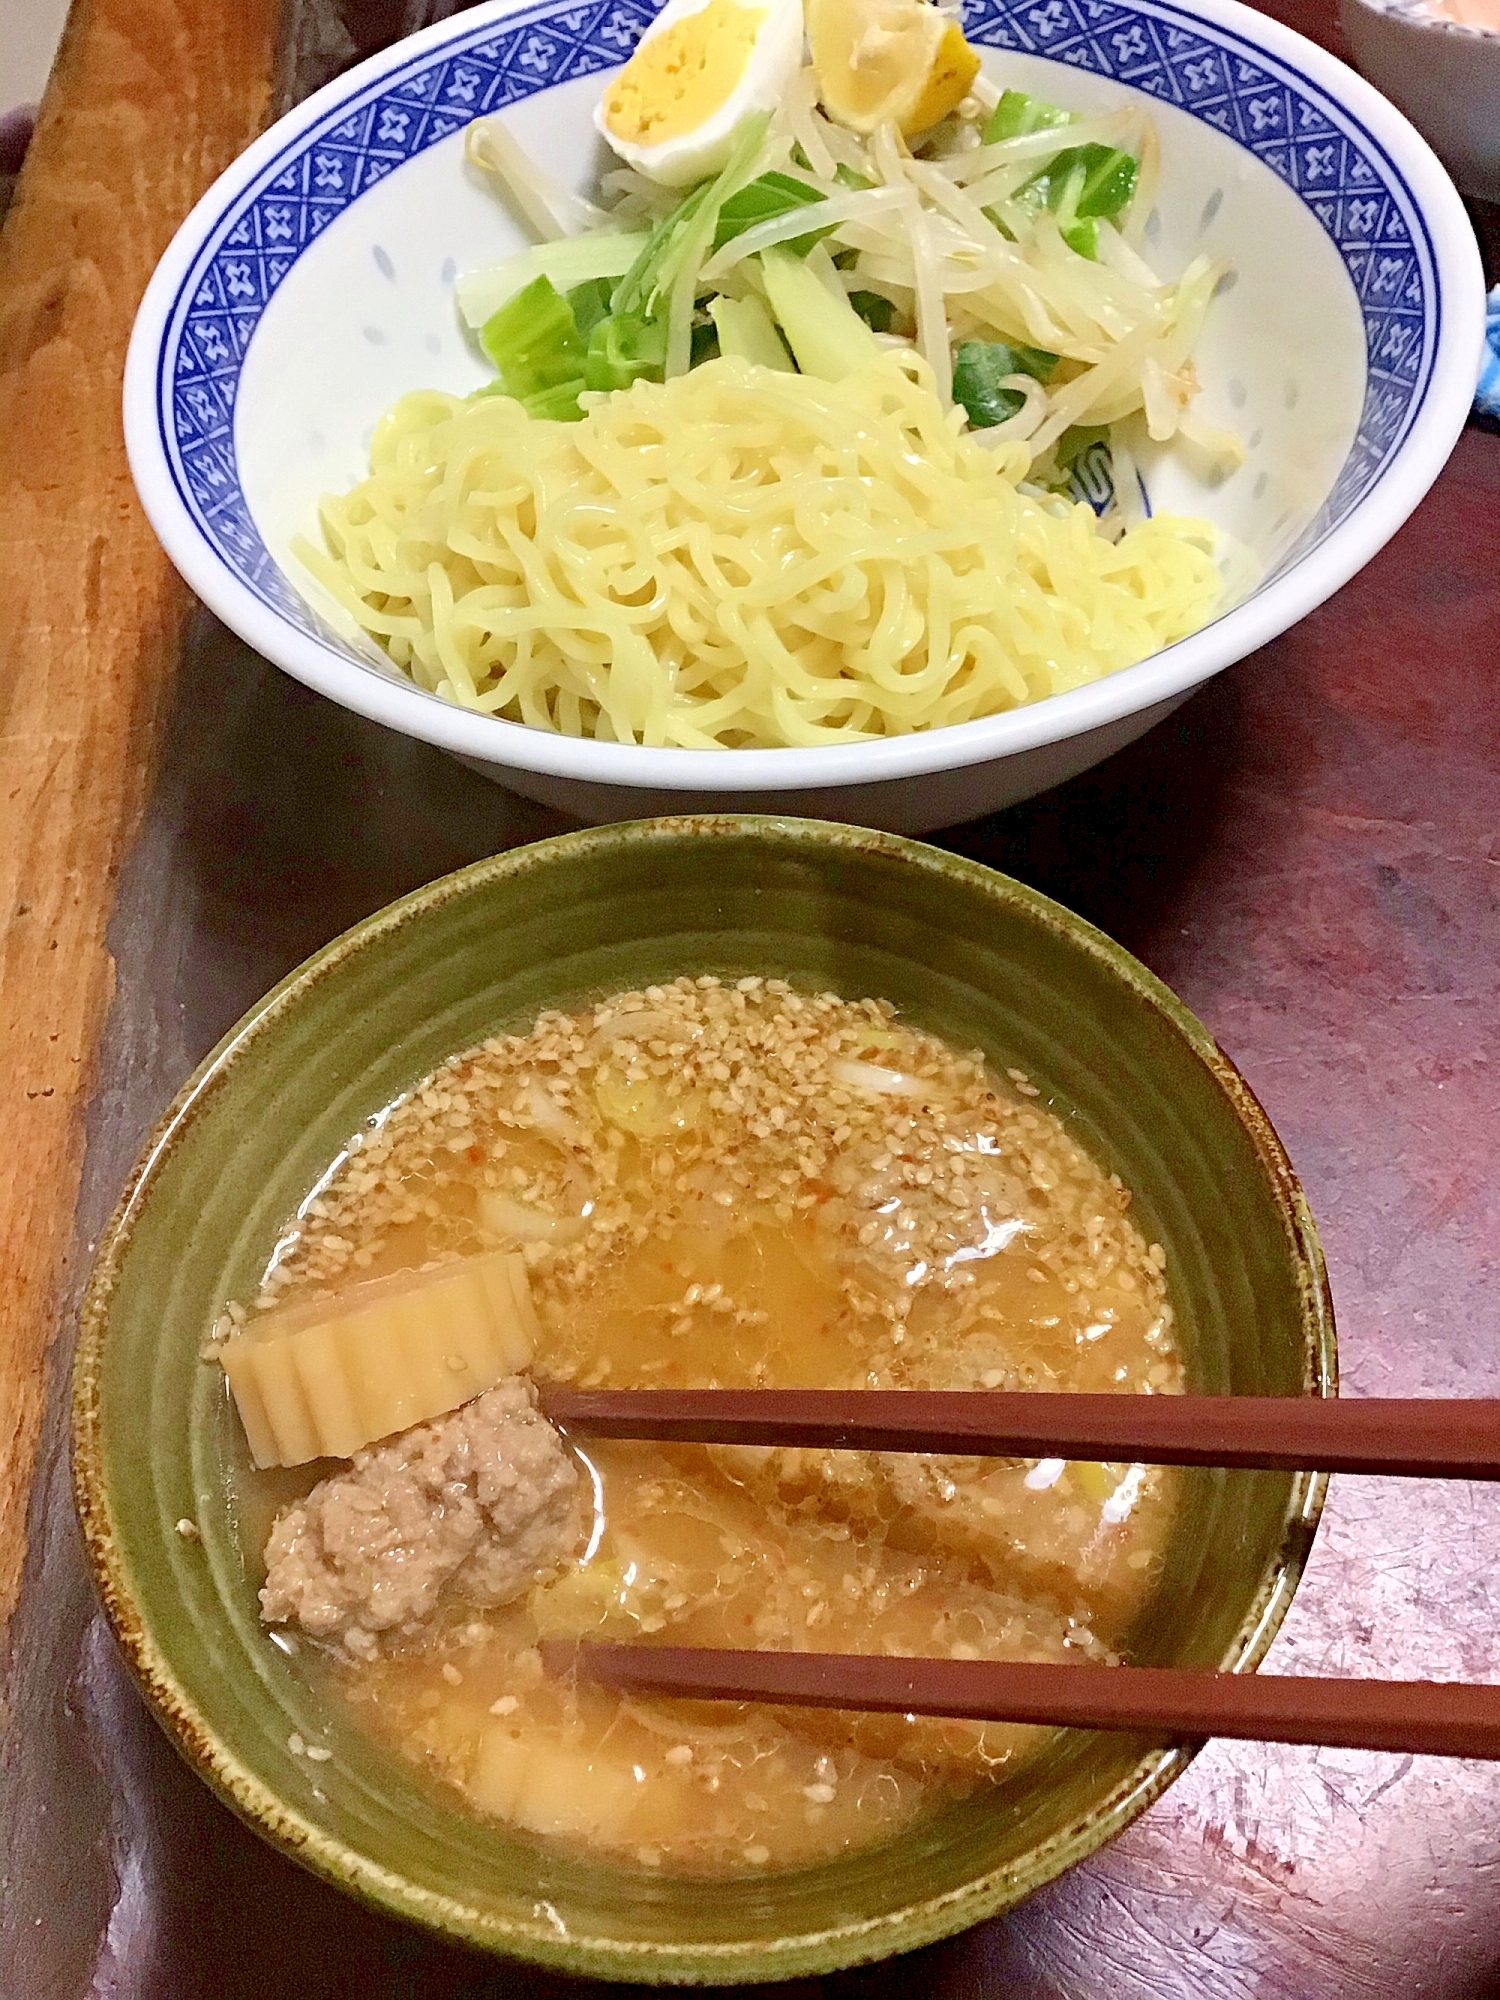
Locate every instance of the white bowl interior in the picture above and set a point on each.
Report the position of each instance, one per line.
(368, 313)
(312, 287)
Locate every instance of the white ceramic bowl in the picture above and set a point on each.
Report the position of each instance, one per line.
(1446, 78)
(312, 286)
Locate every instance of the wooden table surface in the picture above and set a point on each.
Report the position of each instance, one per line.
(1309, 852)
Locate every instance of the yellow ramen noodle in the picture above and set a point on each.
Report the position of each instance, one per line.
(732, 1182)
(742, 558)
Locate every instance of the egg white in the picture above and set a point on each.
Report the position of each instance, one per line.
(774, 59)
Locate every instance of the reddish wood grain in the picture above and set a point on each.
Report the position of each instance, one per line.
(1421, 1437)
(149, 99)
(1308, 852)
(1170, 1704)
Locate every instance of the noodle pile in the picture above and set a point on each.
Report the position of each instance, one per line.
(739, 558)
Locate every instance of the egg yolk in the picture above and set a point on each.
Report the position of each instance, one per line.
(679, 78)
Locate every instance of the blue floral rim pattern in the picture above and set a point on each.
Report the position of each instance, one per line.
(1487, 400)
(1323, 153)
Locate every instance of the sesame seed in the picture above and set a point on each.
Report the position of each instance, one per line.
(709, 1113)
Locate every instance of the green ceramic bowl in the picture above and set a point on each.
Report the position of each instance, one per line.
(966, 952)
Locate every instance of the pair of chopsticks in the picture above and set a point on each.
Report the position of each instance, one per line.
(1419, 1438)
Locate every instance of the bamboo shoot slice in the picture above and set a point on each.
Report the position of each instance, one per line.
(325, 1379)
(284, 1401)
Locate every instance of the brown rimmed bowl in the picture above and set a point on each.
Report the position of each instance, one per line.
(962, 950)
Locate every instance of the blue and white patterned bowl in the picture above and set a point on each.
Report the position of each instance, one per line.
(312, 286)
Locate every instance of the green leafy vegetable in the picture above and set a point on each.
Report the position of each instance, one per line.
(826, 334)
(704, 343)
(650, 276)
(560, 403)
(568, 262)
(661, 285)
(771, 195)
(1084, 186)
(1016, 116)
(1075, 441)
(683, 291)
(1104, 178)
(874, 309)
(624, 348)
(590, 303)
(649, 281)
(979, 371)
(746, 329)
(979, 367)
(534, 342)
(1034, 361)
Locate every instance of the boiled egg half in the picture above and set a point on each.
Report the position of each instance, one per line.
(699, 72)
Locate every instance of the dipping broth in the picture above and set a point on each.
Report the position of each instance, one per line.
(722, 1183)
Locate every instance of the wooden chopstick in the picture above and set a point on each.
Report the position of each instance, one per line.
(1421, 1437)
(1424, 1437)
(1172, 1704)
